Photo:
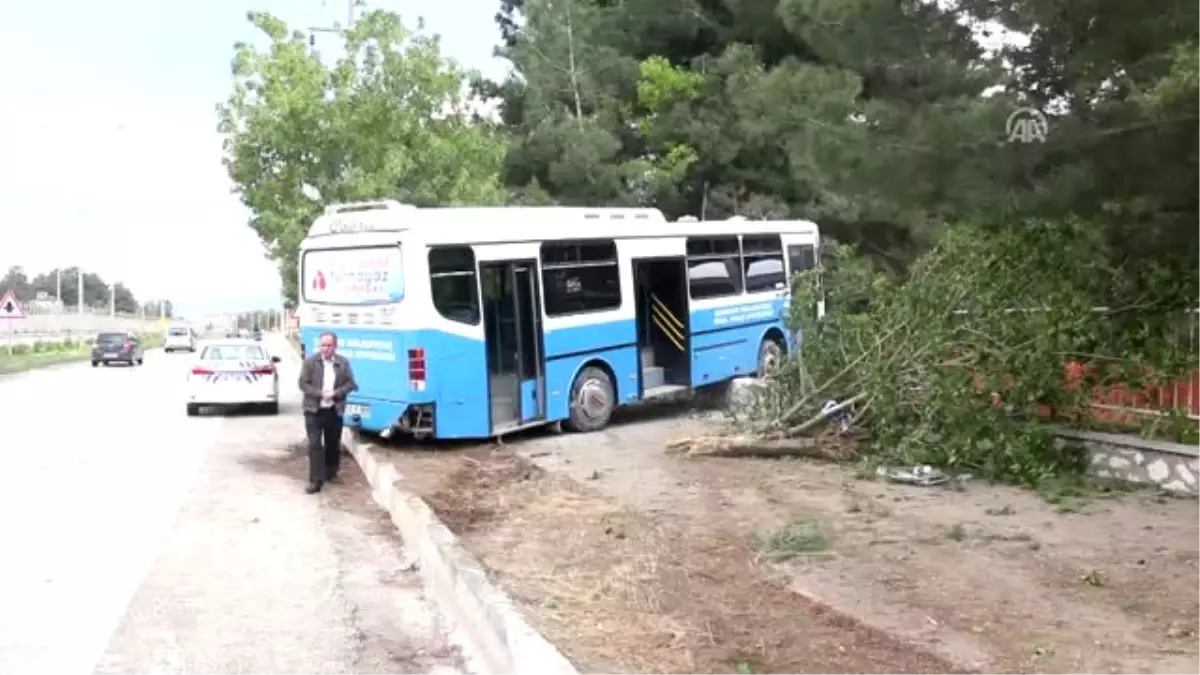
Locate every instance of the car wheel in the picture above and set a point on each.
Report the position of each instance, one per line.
(593, 400)
(141, 360)
(168, 350)
(193, 410)
(106, 363)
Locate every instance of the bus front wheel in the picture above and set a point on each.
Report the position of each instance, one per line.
(593, 400)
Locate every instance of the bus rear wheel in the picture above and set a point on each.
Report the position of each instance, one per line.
(770, 357)
(593, 400)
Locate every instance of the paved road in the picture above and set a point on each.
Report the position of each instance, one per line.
(136, 539)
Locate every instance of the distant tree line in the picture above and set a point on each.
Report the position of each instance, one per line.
(264, 319)
(97, 293)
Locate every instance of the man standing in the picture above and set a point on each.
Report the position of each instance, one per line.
(325, 379)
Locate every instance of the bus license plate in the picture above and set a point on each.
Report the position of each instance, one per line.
(363, 411)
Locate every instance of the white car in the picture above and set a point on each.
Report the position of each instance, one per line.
(233, 373)
(180, 339)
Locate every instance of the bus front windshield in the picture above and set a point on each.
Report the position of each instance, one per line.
(353, 276)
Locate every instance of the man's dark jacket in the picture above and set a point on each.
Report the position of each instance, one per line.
(312, 380)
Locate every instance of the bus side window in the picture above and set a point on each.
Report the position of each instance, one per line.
(452, 283)
(580, 276)
(804, 257)
(714, 267)
(762, 259)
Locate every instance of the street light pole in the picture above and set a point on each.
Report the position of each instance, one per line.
(79, 271)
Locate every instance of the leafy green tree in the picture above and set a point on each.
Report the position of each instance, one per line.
(155, 307)
(883, 120)
(792, 109)
(565, 110)
(16, 280)
(389, 119)
(98, 294)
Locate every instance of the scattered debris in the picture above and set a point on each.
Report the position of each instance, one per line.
(1094, 578)
(923, 475)
(798, 539)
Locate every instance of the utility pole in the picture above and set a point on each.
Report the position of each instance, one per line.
(80, 279)
(313, 30)
(112, 300)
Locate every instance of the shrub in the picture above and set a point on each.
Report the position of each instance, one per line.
(943, 365)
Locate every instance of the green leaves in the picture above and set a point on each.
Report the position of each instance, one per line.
(975, 342)
(388, 119)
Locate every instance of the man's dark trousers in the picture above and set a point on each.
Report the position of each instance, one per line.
(324, 429)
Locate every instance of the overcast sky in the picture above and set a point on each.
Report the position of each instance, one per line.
(109, 156)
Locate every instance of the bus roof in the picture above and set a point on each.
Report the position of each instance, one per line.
(504, 224)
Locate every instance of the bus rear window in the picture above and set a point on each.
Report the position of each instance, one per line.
(353, 276)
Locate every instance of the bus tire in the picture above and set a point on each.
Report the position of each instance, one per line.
(770, 356)
(593, 399)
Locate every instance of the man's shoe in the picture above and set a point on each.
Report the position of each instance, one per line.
(312, 488)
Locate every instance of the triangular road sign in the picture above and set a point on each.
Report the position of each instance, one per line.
(10, 306)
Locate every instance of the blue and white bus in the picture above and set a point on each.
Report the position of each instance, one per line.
(476, 322)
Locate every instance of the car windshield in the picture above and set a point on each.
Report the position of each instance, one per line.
(233, 353)
(178, 331)
(111, 338)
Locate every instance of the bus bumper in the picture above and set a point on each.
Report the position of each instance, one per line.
(389, 417)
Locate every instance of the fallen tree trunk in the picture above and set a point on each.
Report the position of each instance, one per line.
(756, 446)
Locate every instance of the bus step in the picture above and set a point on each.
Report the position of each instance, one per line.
(652, 377)
(647, 357)
(665, 391)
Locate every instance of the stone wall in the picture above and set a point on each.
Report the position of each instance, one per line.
(1173, 466)
(74, 324)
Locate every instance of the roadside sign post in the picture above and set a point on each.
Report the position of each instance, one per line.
(11, 310)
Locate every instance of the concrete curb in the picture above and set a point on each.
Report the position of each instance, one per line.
(494, 634)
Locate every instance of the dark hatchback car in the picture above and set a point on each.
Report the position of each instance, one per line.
(117, 346)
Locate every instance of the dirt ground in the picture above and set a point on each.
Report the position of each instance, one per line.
(633, 560)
